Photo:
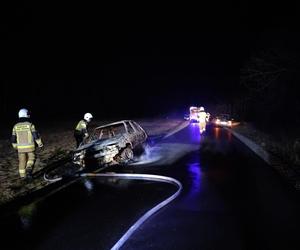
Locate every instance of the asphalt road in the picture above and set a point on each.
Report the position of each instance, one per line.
(230, 200)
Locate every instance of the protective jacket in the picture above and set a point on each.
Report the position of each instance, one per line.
(81, 129)
(202, 116)
(25, 136)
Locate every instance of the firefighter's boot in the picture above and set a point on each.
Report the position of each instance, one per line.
(29, 173)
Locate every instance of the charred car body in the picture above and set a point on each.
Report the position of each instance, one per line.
(114, 143)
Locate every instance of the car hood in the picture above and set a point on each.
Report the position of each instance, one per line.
(102, 143)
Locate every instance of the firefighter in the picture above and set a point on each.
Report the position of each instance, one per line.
(81, 132)
(24, 138)
(208, 116)
(203, 118)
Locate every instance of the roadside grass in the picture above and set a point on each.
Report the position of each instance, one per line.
(283, 148)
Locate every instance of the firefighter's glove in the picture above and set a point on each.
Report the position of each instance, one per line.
(15, 146)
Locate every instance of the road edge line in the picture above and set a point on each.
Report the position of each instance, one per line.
(270, 159)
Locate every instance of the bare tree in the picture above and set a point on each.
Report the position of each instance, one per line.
(262, 71)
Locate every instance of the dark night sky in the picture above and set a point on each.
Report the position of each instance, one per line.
(69, 59)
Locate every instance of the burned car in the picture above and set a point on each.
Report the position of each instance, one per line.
(114, 143)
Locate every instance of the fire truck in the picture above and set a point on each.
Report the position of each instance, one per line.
(194, 114)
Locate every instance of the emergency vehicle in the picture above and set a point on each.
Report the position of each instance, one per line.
(194, 114)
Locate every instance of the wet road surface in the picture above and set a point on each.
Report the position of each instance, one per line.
(230, 200)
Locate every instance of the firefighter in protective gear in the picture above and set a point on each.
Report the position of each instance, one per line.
(208, 116)
(203, 118)
(81, 131)
(24, 138)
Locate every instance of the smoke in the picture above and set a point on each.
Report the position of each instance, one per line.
(149, 156)
(164, 153)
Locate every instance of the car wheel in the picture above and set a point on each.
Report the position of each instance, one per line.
(126, 154)
(141, 149)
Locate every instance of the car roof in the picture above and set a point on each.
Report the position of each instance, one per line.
(114, 123)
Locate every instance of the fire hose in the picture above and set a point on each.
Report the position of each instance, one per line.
(149, 213)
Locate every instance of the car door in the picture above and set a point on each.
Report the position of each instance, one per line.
(132, 135)
(141, 134)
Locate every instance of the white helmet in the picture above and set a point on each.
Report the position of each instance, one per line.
(23, 113)
(201, 109)
(88, 117)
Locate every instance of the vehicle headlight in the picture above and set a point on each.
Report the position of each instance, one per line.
(218, 121)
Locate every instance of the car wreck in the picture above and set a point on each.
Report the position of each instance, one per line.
(114, 143)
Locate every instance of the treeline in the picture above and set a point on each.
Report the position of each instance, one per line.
(269, 80)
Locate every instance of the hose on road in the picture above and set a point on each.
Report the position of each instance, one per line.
(149, 213)
(145, 177)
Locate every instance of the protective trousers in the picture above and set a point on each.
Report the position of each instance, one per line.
(202, 126)
(79, 139)
(26, 162)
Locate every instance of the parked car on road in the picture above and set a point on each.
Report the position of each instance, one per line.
(114, 143)
(223, 120)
